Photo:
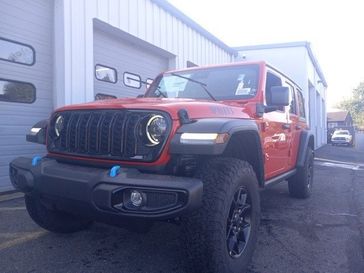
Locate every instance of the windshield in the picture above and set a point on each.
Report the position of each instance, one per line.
(220, 83)
(341, 133)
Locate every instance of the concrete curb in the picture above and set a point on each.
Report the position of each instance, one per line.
(10, 196)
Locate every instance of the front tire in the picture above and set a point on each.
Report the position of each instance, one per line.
(52, 219)
(300, 185)
(221, 235)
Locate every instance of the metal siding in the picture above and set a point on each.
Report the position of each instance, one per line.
(114, 12)
(102, 9)
(163, 27)
(29, 22)
(141, 18)
(124, 57)
(123, 14)
(133, 17)
(149, 21)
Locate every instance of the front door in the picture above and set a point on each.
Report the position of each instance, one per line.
(275, 133)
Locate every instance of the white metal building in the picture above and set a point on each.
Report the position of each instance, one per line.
(57, 52)
(298, 62)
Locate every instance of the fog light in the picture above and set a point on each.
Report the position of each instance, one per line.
(136, 198)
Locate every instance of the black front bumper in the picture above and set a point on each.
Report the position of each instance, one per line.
(93, 193)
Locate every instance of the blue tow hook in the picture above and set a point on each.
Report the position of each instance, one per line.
(36, 160)
(114, 171)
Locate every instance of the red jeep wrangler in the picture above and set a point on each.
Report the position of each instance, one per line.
(195, 149)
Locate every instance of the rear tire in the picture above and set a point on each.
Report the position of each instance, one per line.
(300, 185)
(52, 219)
(221, 235)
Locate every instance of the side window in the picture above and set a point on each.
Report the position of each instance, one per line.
(15, 52)
(132, 80)
(292, 100)
(301, 104)
(106, 73)
(15, 91)
(272, 80)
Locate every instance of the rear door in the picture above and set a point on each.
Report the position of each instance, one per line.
(295, 128)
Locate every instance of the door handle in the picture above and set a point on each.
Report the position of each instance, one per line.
(298, 127)
(286, 126)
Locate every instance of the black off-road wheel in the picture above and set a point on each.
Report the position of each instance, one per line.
(52, 219)
(221, 236)
(300, 185)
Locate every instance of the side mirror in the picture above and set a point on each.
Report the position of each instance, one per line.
(38, 132)
(279, 96)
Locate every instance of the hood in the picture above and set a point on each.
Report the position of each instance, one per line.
(195, 108)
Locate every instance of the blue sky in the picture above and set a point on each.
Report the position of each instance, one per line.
(334, 28)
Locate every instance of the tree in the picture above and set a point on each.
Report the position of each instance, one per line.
(355, 105)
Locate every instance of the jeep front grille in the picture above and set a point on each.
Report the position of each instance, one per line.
(110, 134)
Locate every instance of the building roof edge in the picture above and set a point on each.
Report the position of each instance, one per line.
(191, 23)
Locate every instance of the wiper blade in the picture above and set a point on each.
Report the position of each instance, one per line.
(202, 84)
(161, 93)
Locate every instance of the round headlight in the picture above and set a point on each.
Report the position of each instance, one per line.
(58, 125)
(155, 129)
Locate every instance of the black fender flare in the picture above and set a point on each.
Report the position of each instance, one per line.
(305, 139)
(38, 132)
(219, 126)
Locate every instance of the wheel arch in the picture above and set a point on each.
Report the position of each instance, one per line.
(307, 140)
(244, 142)
(246, 145)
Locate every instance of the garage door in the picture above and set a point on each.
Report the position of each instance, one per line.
(25, 76)
(115, 56)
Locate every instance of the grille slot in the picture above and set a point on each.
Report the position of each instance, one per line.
(111, 134)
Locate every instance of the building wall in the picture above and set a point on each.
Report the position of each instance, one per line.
(144, 19)
(30, 23)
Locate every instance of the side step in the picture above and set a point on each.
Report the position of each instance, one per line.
(279, 178)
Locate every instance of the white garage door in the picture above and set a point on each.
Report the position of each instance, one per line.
(115, 55)
(25, 76)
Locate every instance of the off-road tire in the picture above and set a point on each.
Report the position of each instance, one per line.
(53, 220)
(205, 231)
(300, 185)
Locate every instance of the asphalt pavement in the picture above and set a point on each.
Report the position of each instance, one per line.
(324, 233)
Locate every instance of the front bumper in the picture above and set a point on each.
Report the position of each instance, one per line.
(92, 193)
(340, 141)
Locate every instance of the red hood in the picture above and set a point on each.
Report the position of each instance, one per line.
(195, 108)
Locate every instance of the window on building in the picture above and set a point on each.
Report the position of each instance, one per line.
(106, 73)
(15, 91)
(301, 104)
(132, 80)
(332, 125)
(15, 52)
(101, 96)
